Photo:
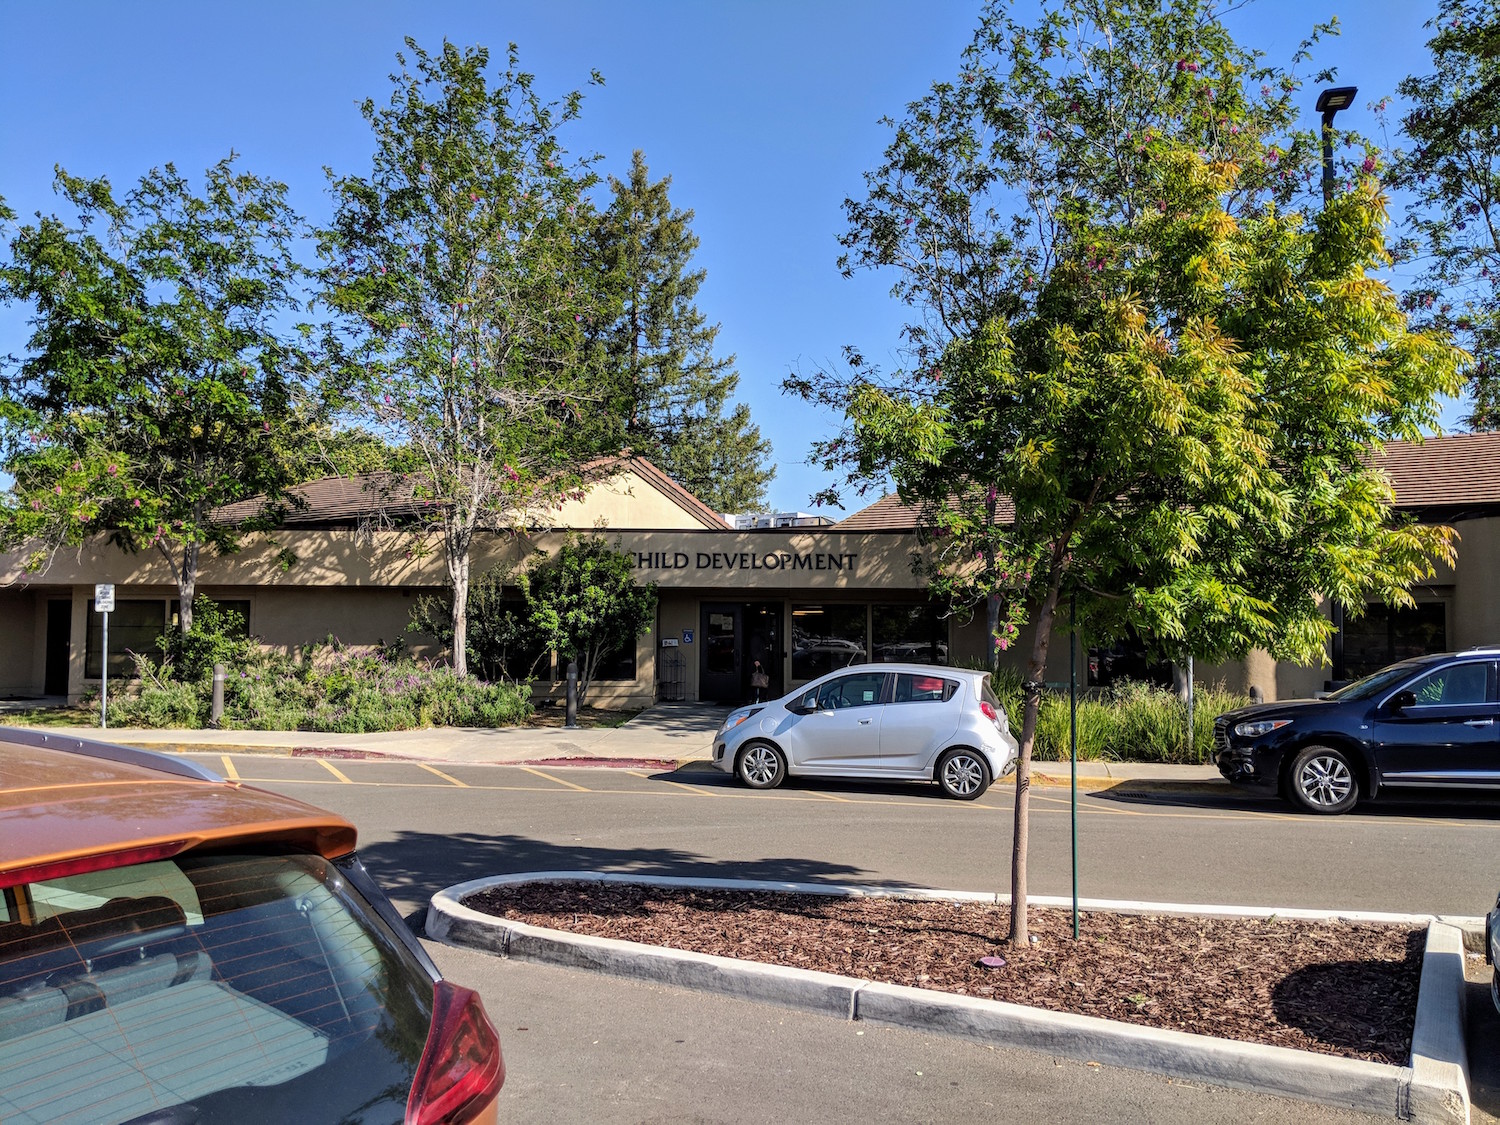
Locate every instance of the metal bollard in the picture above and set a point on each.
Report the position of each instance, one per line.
(218, 707)
(572, 719)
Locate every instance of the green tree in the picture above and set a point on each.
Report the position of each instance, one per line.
(156, 378)
(673, 390)
(459, 269)
(503, 642)
(1452, 171)
(1148, 370)
(585, 604)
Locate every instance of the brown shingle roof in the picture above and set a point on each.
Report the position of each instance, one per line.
(890, 514)
(1462, 469)
(1456, 471)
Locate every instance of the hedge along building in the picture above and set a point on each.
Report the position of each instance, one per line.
(801, 601)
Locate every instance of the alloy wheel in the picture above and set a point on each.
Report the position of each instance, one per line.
(1325, 780)
(962, 774)
(761, 765)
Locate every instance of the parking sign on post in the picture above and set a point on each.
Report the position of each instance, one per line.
(104, 601)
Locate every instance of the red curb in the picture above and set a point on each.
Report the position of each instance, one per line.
(345, 753)
(622, 763)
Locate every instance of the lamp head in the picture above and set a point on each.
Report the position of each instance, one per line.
(1338, 97)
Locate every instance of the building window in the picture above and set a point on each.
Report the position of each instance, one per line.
(1127, 659)
(619, 665)
(240, 628)
(1382, 636)
(134, 626)
(914, 634)
(826, 637)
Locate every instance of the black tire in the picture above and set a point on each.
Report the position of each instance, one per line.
(1322, 780)
(760, 765)
(962, 774)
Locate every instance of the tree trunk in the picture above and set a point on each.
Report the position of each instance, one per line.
(456, 539)
(1036, 668)
(187, 586)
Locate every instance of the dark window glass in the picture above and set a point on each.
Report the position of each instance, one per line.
(913, 634)
(618, 665)
(920, 689)
(1453, 685)
(826, 638)
(719, 644)
(248, 988)
(862, 690)
(1127, 659)
(134, 626)
(1382, 635)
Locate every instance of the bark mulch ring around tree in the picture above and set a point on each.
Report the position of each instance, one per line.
(1337, 988)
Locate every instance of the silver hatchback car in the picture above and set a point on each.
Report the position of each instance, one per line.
(908, 722)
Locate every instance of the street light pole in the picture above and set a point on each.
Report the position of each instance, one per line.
(1329, 103)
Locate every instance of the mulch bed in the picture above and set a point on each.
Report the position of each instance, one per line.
(1336, 988)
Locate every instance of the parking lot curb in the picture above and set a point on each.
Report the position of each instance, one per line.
(1432, 1087)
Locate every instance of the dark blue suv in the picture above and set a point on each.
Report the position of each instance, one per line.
(1425, 722)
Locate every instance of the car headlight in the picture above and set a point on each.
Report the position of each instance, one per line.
(1257, 727)
(735, 718)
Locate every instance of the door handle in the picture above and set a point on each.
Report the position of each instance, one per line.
(865, 722)
(1479, 722)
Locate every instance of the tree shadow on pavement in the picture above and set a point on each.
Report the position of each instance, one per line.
(414, 866)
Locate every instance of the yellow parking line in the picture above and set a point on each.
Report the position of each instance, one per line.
(333, 769)
(444, 776)
(229, 771)
(559, 780)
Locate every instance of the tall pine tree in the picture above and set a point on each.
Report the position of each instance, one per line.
(673, 392)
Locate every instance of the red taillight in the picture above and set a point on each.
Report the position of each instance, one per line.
(461, 1067)
(989, 712)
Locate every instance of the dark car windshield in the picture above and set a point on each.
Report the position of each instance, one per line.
(236, 987)
(1377, 683)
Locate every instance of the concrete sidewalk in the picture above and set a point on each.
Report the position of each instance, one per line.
(675, 733)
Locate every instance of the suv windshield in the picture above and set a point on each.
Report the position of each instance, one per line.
(1377, 683)
(241, 987)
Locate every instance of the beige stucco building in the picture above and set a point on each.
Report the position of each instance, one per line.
(801, 601)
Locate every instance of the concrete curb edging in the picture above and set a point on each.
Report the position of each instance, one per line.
(1433, 1087)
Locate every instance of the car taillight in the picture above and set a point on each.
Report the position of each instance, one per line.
(989, 712)
(461, 1067)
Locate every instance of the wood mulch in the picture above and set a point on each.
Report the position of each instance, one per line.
(1336, 988)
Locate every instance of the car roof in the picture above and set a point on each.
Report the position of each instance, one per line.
(920, 669)
(64, 799)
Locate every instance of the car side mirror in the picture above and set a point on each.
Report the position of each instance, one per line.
(800, 708)
(1402, 700)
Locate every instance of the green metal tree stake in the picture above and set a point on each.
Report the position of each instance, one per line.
(1073, 742)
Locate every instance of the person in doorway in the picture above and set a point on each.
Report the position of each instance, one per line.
(759, 681)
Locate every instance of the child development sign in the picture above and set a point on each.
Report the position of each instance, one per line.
(722, 562)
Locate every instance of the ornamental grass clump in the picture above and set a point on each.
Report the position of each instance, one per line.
(1128, 722)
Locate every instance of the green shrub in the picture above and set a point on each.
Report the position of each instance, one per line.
(1130, 722)
(328, 688)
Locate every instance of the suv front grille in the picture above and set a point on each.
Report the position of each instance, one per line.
(1221, 737)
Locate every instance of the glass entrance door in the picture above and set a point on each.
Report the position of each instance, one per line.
(740, 639)
(720, 669)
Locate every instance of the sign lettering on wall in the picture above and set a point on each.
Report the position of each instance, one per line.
(723, 562)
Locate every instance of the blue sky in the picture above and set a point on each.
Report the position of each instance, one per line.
(763, 112)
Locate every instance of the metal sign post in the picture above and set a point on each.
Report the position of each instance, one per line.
(104, 601)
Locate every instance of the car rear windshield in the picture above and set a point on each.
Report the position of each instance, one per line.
(221, 988)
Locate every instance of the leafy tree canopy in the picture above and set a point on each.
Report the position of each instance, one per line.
(156, 380)
(1134, 325)
(672, 390)
(459, 269)
(1452, 169)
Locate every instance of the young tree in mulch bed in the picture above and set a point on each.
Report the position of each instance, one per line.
(1334, 988)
